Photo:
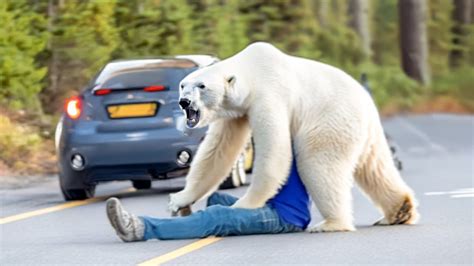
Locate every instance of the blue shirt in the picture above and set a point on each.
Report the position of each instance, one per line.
(292, 201)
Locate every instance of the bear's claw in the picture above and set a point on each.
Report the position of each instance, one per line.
(407, 214)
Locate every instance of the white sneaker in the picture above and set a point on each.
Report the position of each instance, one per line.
(127, 226)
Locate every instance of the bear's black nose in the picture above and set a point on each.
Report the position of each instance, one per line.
(184, 103)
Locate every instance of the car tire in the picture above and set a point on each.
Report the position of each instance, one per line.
(237, 177)
(141, 184)
(78, 194)
(249, 156)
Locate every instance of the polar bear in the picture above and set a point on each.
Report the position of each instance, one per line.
(293, 107)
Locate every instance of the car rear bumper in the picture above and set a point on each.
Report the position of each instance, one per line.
(132, 172)
(131, 155)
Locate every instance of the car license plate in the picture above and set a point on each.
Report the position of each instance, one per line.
(129, 110)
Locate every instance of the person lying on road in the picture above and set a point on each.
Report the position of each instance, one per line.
(288, 211)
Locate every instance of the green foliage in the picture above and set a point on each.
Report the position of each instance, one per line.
(458, 83)
(469, 48)
(464, 44)
(338, 44)
(136, 25)
(82, 41)
(175, 27)
(439, 35)
(231, 31)
(153, 28)
(385, 43)
(13, 149)
(204, 23)
(289, 25)
(388, 83)
(22, 38)
(84, 37)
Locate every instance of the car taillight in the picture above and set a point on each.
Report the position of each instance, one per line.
(73, 107)
(154, 88)
(102, 92)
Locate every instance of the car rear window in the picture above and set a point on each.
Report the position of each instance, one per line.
(138, 78)
(129, 74)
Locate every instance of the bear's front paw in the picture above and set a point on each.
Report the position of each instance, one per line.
(327, 226)
(178, 201)
(244, 203)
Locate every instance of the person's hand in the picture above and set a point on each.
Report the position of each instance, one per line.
(185, 211)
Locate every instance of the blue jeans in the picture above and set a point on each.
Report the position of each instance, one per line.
(218, 219)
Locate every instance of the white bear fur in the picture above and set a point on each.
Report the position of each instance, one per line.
(327, 115)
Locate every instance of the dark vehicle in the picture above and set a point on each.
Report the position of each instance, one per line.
(127, 125)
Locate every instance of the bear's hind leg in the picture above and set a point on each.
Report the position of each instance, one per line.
(328, 179)
(378, 177)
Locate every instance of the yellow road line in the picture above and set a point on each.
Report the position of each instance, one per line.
(59, 207)
(180, 252)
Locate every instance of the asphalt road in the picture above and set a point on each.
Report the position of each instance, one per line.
(437, 153)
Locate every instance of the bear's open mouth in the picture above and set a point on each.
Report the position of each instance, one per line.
(192, 116)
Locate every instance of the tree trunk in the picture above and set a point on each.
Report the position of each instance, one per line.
(322, 13)
(462, 18)
(50, 95)
(413, 39)
(359, 21)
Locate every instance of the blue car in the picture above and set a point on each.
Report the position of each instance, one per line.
(127, 125)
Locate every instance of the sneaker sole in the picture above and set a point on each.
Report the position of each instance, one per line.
(113, 214)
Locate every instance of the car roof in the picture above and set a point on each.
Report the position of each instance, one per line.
(198, 60)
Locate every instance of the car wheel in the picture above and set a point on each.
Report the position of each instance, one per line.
(78, 194)
(249, 155)
(141, 184)
(237, 177)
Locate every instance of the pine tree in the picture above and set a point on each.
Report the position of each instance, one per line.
(84, 37)
(231, 31)
(153, 28)
(439, 35)
(135, 22)
(175, 28)
(414, 39)
(463, 16)
(22, 38)
(339, 45)
(385, 27)
(289, 25)
(205, 18)
(359, 21)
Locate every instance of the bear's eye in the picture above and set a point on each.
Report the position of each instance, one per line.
(201, 86)
(182, 86)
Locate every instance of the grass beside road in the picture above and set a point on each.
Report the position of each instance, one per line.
(27, 152)
(428, 104)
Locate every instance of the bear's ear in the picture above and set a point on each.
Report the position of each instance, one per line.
(231, 80)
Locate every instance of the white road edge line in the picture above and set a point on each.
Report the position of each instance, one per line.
(421, 135)
(463, 196)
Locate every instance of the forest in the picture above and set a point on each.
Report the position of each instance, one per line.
(417, 55)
